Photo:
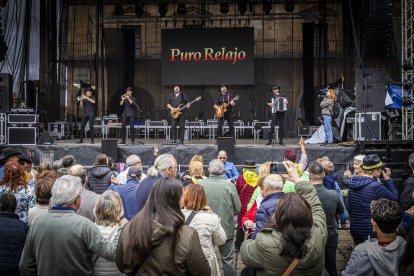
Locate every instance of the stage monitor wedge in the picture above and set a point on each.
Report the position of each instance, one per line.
(210, 56)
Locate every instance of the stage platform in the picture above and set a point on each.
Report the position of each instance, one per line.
(245, 149)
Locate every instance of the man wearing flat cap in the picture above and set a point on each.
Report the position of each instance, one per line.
(365, 188)
(8, 155)
(278, 104)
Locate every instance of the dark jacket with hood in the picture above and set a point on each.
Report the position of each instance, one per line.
(13, 233)
(266, 210)
(99, 178)
(187, 259)
(369, 258)
(363, 190)
(406, 200)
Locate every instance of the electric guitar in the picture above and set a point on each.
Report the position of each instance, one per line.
(176, 112)
(221, 109)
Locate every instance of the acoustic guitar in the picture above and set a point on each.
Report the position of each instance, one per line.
(223, 108)
(176, 112)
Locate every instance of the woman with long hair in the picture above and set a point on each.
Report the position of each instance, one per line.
(327, 105)
(157, 241)
(187, 177)
(14, 181)
(295, 235)
(200, 217)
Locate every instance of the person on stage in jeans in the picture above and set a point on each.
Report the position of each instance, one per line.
(128, 116)
(278, 117)
(88, 103)
(174, 100)
(327, 106)
(225, 98)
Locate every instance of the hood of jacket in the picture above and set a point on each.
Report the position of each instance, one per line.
(359, 182)
(386, 258)
(159, 233)
(99, 171)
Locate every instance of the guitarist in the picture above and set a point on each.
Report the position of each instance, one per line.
(174, 100)
(225, 98)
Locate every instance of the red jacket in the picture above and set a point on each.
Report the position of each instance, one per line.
(245, 192)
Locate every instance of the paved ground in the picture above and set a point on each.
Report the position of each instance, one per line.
(343, 253)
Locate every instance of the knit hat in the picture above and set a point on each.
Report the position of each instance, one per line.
(290, 154)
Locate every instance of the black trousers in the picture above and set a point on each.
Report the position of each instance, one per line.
(85, 119)
(180, 121)
(278, 119)
(330, 252)
(128, 120)
(239, 238)
(229, 117)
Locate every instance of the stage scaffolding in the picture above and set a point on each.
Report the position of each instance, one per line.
(407, 22)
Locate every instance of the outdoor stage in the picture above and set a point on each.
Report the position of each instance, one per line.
(245, 149)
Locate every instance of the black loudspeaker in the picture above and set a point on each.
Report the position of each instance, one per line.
(370, 90)
(22, 136)
(110, 148)
(227, 144)
(46, 139)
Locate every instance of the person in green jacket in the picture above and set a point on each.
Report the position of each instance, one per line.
(297, 230)
(223, 199)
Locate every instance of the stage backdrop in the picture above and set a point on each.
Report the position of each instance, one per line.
(207, 56)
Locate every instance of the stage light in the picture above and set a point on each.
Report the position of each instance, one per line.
(181, 9)
(139, 9)
(118, 10)
(242, 7)
(224, 8)
(267, 6)
(162, 9)
(289, 6)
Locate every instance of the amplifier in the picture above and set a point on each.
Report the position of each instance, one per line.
(367, 126)
(59, 130)
(22, 119)
(304, 131)
(22, 135)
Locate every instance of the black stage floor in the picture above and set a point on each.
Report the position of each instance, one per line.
(245, 149)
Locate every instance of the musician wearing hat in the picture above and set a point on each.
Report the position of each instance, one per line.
(8, 155)
(224, 110)
(278, 104)
(128, 115)
(175, 100)
(88, 103)
(365, 188)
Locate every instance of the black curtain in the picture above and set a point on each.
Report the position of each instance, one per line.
(309, 94)
(120, 64)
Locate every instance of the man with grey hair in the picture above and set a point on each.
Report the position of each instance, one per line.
(406, 199)
(132, 161)
(271, 191)
(332, 206)
(164, 165)
(223, 199)
(88, 198)
(62, 242)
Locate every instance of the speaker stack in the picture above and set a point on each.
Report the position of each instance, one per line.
(21, 130)
(6, 94)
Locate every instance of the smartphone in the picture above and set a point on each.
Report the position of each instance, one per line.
(277, 168)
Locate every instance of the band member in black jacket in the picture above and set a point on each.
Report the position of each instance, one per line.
(88, 103)
(278, 116)
(128, 116)
(176, 99)
(225, 98)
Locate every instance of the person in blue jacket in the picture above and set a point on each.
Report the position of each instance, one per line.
(365, 188)
(230, 171)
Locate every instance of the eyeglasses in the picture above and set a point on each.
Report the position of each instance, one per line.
(222, 157)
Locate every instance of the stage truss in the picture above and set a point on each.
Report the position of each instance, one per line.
(407, 24)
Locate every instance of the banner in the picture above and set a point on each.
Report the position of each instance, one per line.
(207, 56)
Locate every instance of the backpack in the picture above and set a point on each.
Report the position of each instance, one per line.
(336, 110)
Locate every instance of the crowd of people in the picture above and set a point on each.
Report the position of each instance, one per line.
(282, 218)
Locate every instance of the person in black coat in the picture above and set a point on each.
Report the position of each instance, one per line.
(13, 233)
(406, 199)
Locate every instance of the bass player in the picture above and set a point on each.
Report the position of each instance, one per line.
(224, 99)
(176, 99)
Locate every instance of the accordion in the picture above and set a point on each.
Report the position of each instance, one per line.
(279, 104)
